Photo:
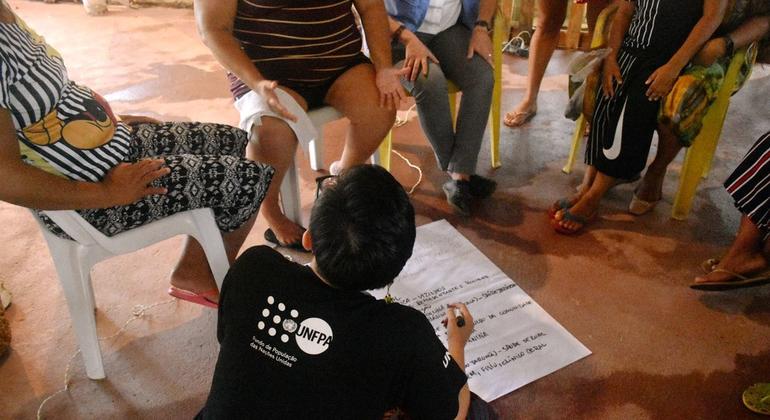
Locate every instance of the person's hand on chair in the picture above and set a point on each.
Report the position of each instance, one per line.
(129, 182)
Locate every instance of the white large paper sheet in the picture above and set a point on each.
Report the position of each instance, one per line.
(514, 342)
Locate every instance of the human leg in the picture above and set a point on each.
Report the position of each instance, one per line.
(749, 31)
(593, 10)
(573, 219)
(432, 100)
(475, 79)
(748, 254)
(551, 14)
(275, 143)
(651, 188)
(356, 96)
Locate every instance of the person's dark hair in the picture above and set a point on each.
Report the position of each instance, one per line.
(363, 229)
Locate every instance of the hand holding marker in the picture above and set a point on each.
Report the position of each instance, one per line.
(458, 315)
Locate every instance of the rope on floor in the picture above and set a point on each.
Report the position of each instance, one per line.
(400, 122)
(139, 311)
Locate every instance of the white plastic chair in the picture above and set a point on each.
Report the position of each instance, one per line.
(95, 7)
(75, 258)
(290, 198)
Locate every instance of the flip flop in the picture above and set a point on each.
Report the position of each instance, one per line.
(560, 204)
(199, 298)
(5, 297)
(757, 398)
(568, 216)
(743, 282)
(639, 207)
(518, 119)
(270, 237)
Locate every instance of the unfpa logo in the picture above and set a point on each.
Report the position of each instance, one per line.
(312, 335)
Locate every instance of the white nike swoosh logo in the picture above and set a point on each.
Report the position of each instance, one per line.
(613, 152)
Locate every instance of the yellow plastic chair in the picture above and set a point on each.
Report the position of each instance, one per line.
(697, 161)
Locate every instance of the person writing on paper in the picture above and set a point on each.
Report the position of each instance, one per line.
(62, 148)
(305, 341)
(285, 58)
(438, 41)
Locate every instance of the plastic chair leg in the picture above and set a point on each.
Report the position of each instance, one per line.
(315, 149)
(212, 243)
(290, 199)
(494, 116)
(580, 128)
(382, 155)
(72, 275)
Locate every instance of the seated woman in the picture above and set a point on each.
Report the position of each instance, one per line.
(648, 52)
(747, 261)
(438, 41)
(285, 58)
(61, 147)
(746, 22)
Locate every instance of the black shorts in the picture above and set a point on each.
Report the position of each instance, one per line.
(315, 96)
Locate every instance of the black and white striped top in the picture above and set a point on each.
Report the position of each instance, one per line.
(62, 128)
(662, 26)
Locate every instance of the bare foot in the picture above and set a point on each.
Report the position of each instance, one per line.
(744, 264)
(197, 283)
(585, 208)
(286, 231)
(651, 188)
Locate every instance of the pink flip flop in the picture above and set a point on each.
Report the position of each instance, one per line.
(199, 298)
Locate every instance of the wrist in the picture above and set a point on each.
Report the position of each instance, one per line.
(482, 24)
(406, 36)
(398, 33)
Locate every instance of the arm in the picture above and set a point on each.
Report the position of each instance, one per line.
(27, 186)
(376, 28)
(662, 80)
(480, 42)
(620, 24)
(457, 337)
(214, 19)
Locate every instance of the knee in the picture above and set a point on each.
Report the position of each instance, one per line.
(485, 79)
(432, 86)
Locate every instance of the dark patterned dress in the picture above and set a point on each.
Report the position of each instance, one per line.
(70, 131)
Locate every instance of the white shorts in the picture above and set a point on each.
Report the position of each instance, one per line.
(252, 107)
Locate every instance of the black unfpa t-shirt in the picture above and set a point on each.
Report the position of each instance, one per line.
(293, 347)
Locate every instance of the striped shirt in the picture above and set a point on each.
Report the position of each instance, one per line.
(62, 128)
(661, 26)
(302, 44)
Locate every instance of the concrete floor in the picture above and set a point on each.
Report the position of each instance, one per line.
(661, 350)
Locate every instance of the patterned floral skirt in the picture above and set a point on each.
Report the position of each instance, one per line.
(208, 169)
